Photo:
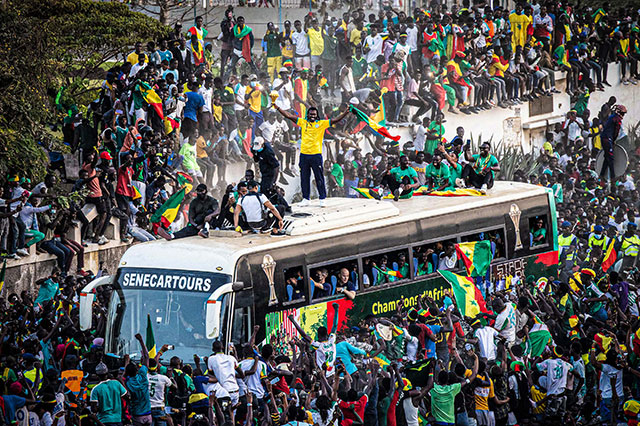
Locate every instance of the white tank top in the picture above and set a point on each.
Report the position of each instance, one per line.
(347, 81)
(410, 412)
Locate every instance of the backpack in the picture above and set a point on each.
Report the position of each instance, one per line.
(179, 396)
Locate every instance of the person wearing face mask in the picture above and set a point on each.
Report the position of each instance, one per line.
(202, 210)
(267, 162)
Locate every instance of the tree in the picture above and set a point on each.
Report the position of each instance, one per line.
(51, 44)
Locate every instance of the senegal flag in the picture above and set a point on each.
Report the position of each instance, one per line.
(610, 257)
(377, 128)
(151, 97)
(458, 192)
(150, 341)
(2, 273)
(390, 272)
(167, 212)
(468, 298)
(476, 256)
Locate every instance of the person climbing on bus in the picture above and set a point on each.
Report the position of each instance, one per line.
(481, 170)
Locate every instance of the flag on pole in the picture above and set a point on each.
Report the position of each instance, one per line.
(2, 273)
(167, 212)
(598, 15)
(377, 128)
(150, 341)
(610, 256)
(476, 256)
(151, 97)
(136, 193)
(468, 298)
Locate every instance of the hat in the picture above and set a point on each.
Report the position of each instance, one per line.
(566, 224)
(15, 388)
(105, 155)
(253, 77)
(258, 143)
(14, 178)
(28, 357)
(598, 228)
(587, 271)
(283, 69)
(101, 369)
(632, 225)
(354, 101)
(98, 342)
(412, 314)
(573, 321)
(403, 34)
(460, 54)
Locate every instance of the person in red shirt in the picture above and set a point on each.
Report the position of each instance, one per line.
(124, 194)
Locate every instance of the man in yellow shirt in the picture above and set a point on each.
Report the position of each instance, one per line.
(355, 38)
(316, 43)
(132, 58)
(519, 23)
(253, 100)
(312, 131)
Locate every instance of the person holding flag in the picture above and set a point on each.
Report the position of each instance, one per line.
(311, 150)
(198, 29)
(242, 44)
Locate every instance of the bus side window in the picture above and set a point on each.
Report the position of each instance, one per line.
(337, 279)
(385, 268)
(495, 236)
(538, 231)
(425, 259)
(294, 283)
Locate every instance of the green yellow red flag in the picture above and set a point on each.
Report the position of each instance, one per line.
(476, 256)
(468, 298)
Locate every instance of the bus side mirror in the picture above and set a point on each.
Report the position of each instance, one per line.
(237, 286)
(87, 296)
(215, 304)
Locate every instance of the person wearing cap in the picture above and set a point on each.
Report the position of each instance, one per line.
(268, 164)
(456, 80)
(597, 239)
(258, 212)
(283, 86)
(610, 132)
(106, 398)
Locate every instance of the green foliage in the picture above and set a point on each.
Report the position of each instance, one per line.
(50, 44)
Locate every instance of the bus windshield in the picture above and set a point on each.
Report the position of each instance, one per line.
(175, 302)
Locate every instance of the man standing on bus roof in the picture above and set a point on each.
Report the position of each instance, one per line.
(480, 172)
(312, 131)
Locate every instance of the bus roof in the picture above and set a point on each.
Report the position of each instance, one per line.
(305, 224)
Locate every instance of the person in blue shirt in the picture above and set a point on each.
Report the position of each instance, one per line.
(192, 110)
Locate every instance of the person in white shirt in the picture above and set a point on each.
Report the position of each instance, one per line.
(254, 371)
(283, 86)
(506, 320)
(255, 207)
(206, 118)
(325, 345)
(373, 45)
(224, 369)
(301, 49)
(142, 64)
(157, 385)
(485, 337)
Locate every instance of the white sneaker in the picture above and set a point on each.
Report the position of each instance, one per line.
(460, 183)
(103, 240)
(483, 189)
(304, 203)
(323, 203)
(22, 252)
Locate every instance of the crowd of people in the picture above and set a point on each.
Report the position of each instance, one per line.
(563, 349)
